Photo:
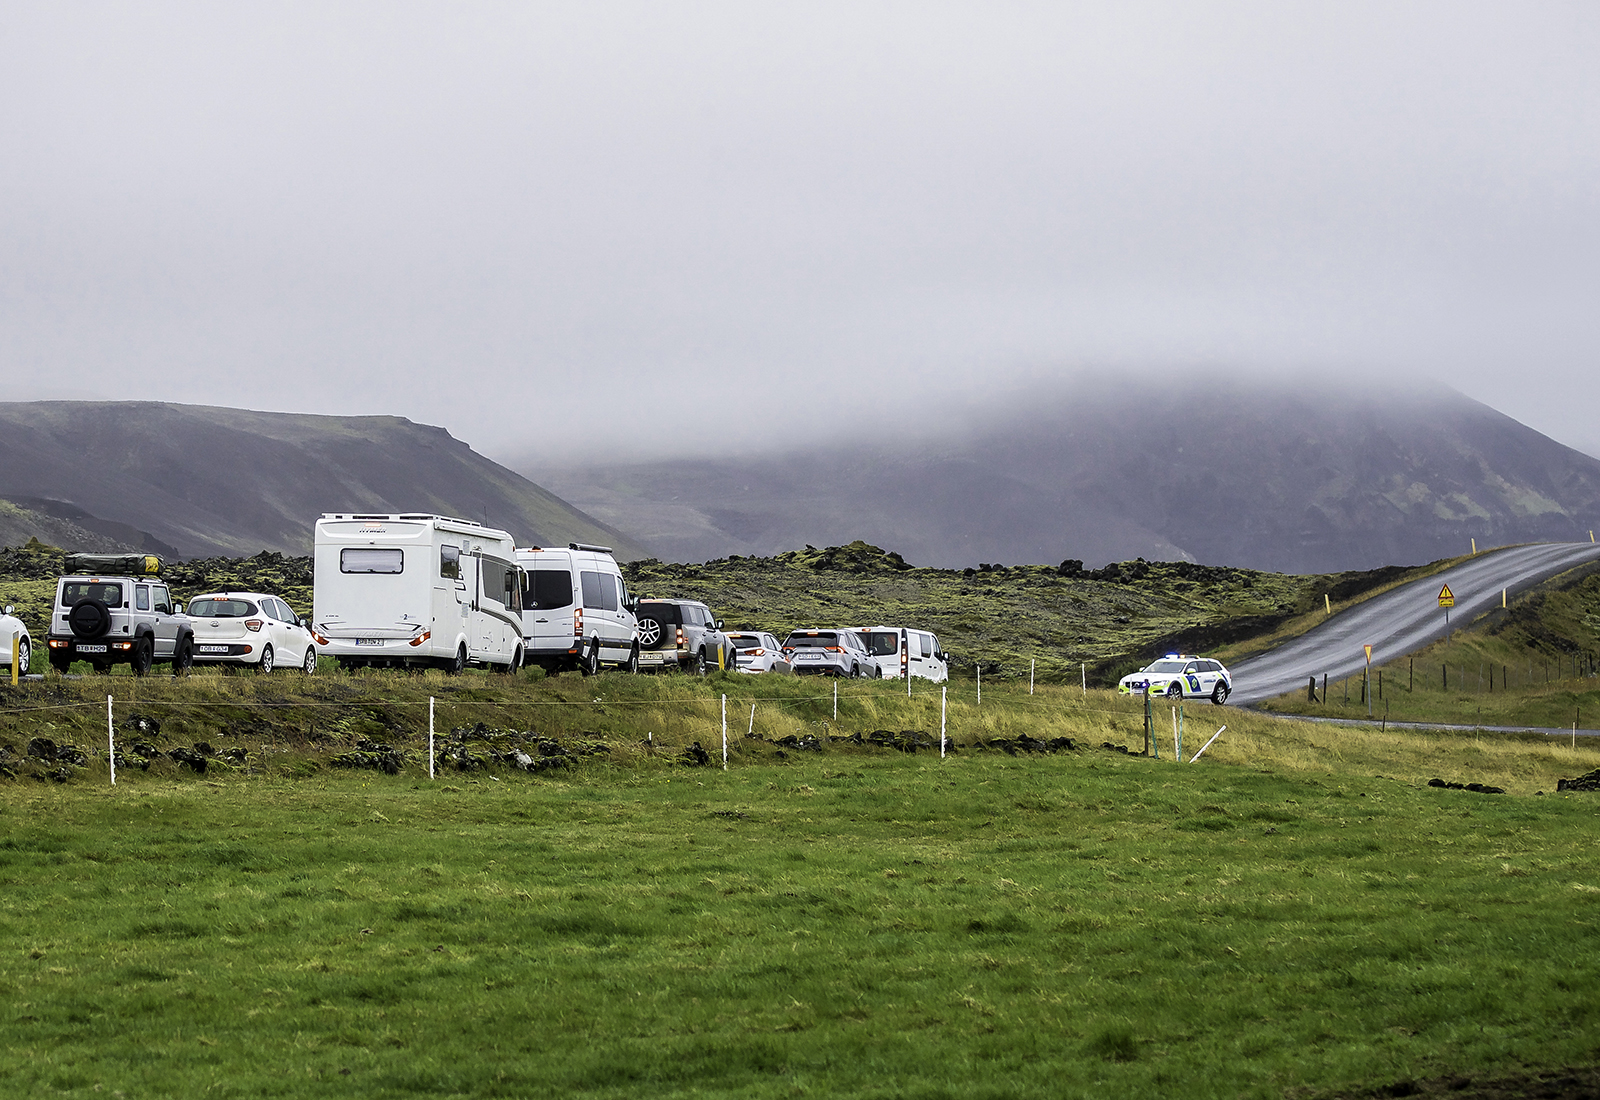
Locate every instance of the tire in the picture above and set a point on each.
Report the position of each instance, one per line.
(89, 619)
(309, 665)
(1219, 694)
(455, 666)
(652, 632)
(880, 673)
(183, 656)
(266, 665)
(1174, 690)
(633, 661)
(22, 657)
(855, 672)
(144, 653)
(516, 663)
(696, 665)
(591, 659)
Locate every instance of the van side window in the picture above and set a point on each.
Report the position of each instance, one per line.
(450, 561)
(608, 591)
(622, 592)
(548, 589)
(591, 589)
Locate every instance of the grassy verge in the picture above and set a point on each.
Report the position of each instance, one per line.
(1295, 911)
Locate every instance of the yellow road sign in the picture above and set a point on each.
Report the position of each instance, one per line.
(1369, 653)
(1447, 598)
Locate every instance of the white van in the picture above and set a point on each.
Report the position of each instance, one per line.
(576, 610)
(412, 589)
(901, 651)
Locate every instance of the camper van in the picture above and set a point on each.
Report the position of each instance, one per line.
(416, 590)
(902, 652)
(576, 611)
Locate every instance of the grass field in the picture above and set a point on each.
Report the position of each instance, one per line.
(1295, 911)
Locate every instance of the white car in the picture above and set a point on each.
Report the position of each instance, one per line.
(11, 628)
(755, 651)
(250, 628)
(1179, 676)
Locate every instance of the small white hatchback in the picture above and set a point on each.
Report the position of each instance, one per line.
(250, 628)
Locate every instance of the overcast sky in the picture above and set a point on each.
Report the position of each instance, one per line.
(579, 229)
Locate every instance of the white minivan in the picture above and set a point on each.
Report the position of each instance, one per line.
(576, 610)
(902, 652)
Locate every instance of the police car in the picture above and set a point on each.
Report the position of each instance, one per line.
(1180, 677)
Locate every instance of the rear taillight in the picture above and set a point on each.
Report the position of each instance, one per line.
(834, 648)
(755, 653)
(420, 638)
(253, 625)
(577, 623)
(318, 638)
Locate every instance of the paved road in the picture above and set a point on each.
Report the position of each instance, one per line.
(1403, 620)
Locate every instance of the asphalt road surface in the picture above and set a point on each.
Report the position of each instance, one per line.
(1403, 620)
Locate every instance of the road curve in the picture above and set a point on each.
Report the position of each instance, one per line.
(1403, 620)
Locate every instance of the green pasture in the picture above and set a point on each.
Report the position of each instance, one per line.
(1295, 912)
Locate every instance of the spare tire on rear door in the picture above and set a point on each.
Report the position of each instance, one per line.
(654, 631)
(89, 618)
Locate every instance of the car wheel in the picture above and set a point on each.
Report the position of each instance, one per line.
(880, 673)
(22, 656)
(697, 664)
(309, 665)
(591, 660)
(455, 666)
(1219, 694)
(1174, 690)
(516, 663)
(266, 660)
(143, 656)
(633, 660)
(651, 631)
(855, 672)
(183, 656)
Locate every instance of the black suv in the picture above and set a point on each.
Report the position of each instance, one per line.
(682, 634)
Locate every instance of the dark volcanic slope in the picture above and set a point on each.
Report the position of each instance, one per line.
(1229, 474)
(227, 481)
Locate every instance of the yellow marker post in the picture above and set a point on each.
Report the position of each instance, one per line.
(1327, 603)
(1474, 546)
(16, 658)
(1367, 690)
(1502, 597)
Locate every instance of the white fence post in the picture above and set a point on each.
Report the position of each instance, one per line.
(430, 737)
(944, 694)
(1030, 675)
(751, 732)
(724, 733)
(111, 741)
(1207, 745)
(980, 685)
(836, 700)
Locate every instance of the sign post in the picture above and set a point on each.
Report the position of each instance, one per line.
(1447, 600)
(1368, 691)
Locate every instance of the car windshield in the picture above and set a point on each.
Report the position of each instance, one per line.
(75, 592)
(1165, 666)
(215, 607)
(881, 643)
(817, 638)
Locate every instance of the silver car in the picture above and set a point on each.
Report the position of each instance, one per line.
(759, 652)
(833, 652)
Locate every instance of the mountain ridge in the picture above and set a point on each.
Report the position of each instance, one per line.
(206, 480)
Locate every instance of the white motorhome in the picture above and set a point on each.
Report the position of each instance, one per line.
(902, 652)
(413, 589)
(576, 610)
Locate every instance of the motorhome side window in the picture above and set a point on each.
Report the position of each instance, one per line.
(365, 559)
(450, 561)
(548, 589)
(499, 582)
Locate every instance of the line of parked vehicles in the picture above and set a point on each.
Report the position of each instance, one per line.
(420, 590)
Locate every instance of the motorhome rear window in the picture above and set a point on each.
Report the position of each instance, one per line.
(363, 559)
(820, 638)
(548, 589)
(221, 609)
(77, 591)
(881, 643)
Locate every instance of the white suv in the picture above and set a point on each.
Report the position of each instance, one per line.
(1180, 677)
(115, 609)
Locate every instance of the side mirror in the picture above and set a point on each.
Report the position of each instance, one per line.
(8, 609)
(177, 609)
(719, 624)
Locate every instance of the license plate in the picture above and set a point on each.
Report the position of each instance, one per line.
(91, 648)
(211, 649)
(808, 657)
(369, 641)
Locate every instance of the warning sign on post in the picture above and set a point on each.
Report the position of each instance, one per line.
(1447, 598)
